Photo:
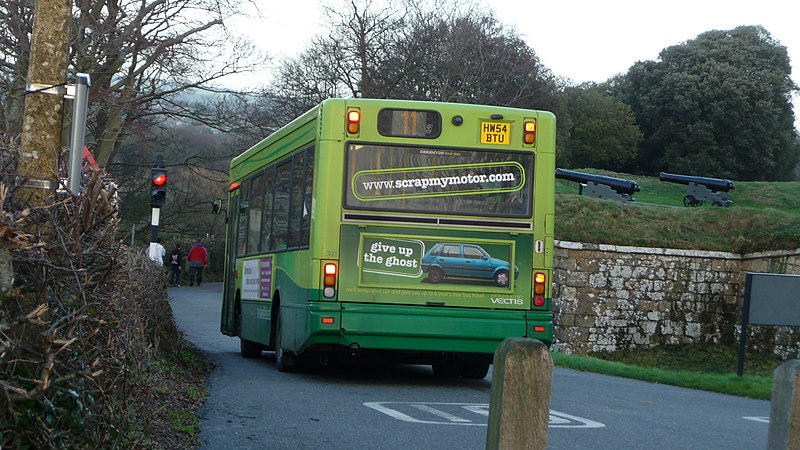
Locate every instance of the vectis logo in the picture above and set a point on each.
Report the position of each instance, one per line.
(506, 301)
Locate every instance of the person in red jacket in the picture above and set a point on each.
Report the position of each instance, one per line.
(198, 260)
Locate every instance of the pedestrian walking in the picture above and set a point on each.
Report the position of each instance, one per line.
(157, 252)
(198, 260)
(175, 264)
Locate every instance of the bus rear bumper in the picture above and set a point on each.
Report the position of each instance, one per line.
(363, 327)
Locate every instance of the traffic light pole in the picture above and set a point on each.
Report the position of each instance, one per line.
(153, 251)
(158, 193)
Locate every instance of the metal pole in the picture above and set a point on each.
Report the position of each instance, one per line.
(82, 83)
(154, 233)
(156, 215)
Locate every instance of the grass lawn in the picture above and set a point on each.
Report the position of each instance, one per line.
(708, 368)
(765, 216)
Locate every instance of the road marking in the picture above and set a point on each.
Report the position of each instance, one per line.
(563, 420)
(442, 414)
(478, 409)
(757, 419)
(469, 414)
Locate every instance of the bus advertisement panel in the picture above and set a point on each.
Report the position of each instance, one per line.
(445, 181)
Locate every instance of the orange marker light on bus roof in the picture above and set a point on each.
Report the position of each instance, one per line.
(234, 186)
(353, 121)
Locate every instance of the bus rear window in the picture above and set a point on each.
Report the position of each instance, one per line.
(437, 180)
(409, 123)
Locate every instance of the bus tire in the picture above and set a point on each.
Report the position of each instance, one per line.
(474, 371)
(249, 349)
(284, 361)
(501, 278)
(450, 369)
(237, 315)
(435, 275)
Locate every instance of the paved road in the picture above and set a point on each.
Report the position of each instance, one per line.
(252, 405)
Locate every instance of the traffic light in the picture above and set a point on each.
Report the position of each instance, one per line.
(158, 187)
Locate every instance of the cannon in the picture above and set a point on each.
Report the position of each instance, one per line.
(600, 186)
(702, 189)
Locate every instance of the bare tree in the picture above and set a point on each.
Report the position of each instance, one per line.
(456, 52)
(468, 56)
(143, 56)
(16, 18)
(362, 37)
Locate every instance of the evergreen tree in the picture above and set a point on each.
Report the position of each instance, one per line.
(718, 105)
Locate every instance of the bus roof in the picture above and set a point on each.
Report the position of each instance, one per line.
(340, 103)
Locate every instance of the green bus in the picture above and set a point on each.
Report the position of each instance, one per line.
(420, 232)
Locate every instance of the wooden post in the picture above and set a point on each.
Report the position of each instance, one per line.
(519, 412)
(43, 116)
(784, 415)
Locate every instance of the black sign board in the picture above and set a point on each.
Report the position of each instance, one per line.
(769, 299)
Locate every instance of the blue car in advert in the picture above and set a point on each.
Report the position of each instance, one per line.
(459, 260)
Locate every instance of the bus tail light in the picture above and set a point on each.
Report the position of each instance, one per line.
(329, 280)
(538, 329)
(353, 121)
(539, 279)
(529, 136)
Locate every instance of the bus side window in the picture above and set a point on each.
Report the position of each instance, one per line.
(296, 205)
(256, 205)
(280, 227)
(244, 192)
(266, 230)
(307, 198)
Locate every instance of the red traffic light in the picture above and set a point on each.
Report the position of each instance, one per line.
(158, 186)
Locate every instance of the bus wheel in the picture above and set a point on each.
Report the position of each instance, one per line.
(501, 278)
(475, 371)
(435, 275)
(449, 369)
(285, 362)
(237, 315)
(249, 349)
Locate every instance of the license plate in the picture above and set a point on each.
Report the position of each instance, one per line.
(497, 133)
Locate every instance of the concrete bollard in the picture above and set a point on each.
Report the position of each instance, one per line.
(519, 410)
(784, 414)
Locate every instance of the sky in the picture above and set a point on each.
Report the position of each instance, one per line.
(581, 40)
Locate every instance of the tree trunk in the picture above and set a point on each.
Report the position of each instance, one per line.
(43, 115)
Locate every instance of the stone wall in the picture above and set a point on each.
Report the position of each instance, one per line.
(609, 298)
